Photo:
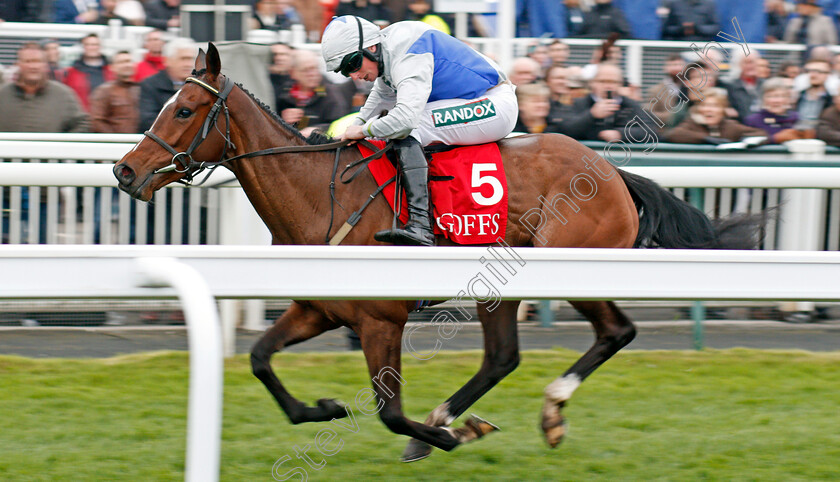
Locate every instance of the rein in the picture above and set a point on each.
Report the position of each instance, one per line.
(191, 167)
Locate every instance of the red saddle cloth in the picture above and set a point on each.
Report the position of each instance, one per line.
(469, 208)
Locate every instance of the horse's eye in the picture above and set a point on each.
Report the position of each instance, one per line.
(183, 113)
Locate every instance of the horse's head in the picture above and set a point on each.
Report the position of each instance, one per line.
(190, 132)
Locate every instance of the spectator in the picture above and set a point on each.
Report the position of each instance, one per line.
(604, 19)
(575, 83)
(281, 63)
(372, 10)
(691, 20)
(88, 72)
(114, 109)
(180, 56)
(763, 71)
(777, 17)
(575, 12)
(743, 91)
(75, 11)
(286, 10)
(107, 13)
(421, 11)
(114, 105)
(810, 26)
(560, 101)
(55, 72)
(828, 128)
(539, 53)
(657, 97)
(603, 115)
(524, 71)
(534, 105)
(309, 103)
(555, 80)
(836, 64)
(153, 60)
(19, 11)
(33, 103)
(680, 110)
(614, 55)
(268, 16)
(132, 10)
(707, 123)
(558, 52)
(803, 80)
(163, 14)
(776, 117)
(815, 99)
(789, 70)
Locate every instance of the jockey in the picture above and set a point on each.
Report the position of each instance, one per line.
(437, 90)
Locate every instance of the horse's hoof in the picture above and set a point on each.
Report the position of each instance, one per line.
(331, 408)
(554, 424)
(555, 432)
(416, 450)
(480, 426)
(474, 428)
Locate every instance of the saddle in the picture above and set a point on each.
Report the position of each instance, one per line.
(468, 186)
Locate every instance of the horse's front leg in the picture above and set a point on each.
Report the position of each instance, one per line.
(299, 323)
(381, 343)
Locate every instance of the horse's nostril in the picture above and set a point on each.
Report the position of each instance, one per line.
(124, 174)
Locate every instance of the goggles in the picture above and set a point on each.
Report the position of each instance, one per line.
(351, 62)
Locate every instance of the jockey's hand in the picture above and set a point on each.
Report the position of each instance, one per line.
(353, 132)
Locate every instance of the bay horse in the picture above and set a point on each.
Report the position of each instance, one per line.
(213, 121)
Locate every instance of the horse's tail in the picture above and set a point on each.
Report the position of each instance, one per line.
(665, 221)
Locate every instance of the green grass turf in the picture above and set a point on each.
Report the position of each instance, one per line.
(660, 415)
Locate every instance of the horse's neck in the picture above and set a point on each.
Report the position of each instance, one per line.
(287, 191)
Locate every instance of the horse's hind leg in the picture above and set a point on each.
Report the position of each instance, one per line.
(381, 343)
(298, 323)
(613, 331)
(501, 357)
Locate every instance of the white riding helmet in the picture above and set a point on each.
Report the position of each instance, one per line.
(341, 37)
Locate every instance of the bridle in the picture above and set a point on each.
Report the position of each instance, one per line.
(191, 167)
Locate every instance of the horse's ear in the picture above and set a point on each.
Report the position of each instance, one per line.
(201, 60)
(214, 63)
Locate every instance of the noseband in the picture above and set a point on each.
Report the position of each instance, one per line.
(184, 159)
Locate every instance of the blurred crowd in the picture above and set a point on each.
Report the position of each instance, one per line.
(792, 21)
(721, 98)
(724, 99)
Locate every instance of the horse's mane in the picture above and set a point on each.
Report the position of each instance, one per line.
(315, 138)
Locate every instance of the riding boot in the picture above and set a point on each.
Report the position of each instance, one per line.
(418, 229)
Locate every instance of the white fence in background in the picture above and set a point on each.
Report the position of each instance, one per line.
(41, 200)
(198, 273)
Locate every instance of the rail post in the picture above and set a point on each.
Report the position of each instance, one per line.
(800, 214)
(698, 309)
(204, 337)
